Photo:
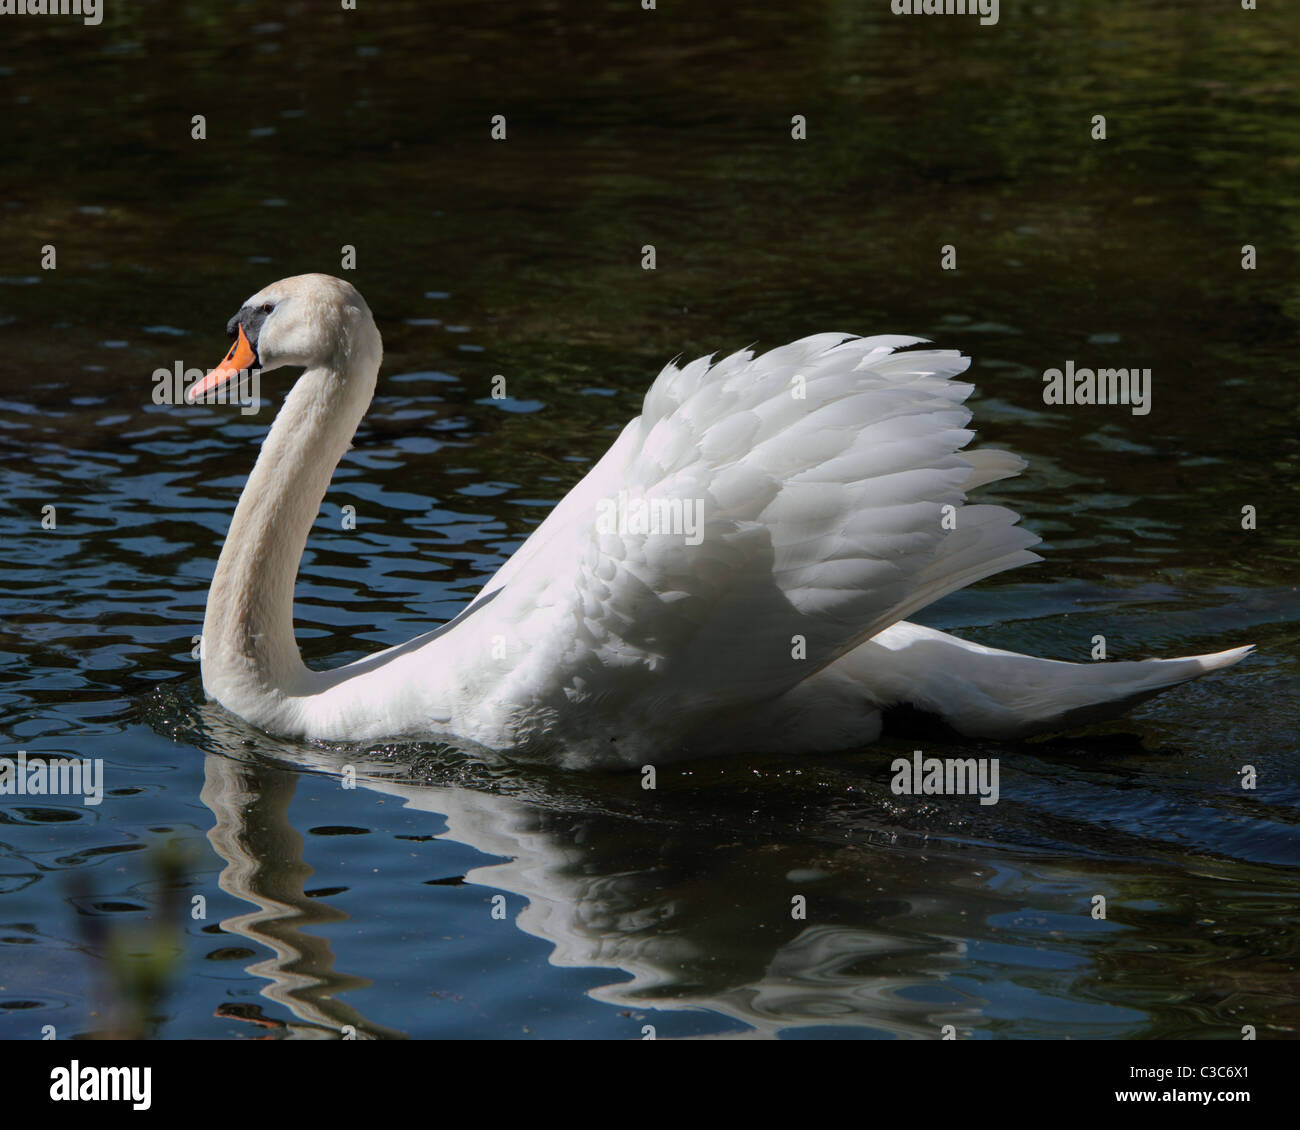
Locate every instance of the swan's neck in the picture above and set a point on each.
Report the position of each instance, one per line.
(251, 662)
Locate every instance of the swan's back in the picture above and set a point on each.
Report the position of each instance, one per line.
(822, 474)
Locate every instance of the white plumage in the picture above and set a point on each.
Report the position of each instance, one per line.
(829, 482)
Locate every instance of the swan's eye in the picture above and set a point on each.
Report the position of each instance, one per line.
(267, 307)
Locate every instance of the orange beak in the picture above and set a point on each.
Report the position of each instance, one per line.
(241, 356)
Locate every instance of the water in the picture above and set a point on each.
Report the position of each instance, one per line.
(444, 898)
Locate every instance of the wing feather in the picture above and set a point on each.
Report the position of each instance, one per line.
(821, 471)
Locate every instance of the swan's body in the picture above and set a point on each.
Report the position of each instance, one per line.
(823, 472)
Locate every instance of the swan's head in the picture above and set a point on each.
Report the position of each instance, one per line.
(309, 320)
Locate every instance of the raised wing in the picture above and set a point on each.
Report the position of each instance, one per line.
(805, 494)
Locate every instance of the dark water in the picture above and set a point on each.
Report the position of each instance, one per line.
(324, 906)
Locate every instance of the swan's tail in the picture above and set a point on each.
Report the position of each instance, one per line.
(988, 693)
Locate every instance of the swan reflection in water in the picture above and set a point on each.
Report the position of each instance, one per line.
(606, 892)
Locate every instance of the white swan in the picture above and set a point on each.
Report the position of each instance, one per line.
(820, 473)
